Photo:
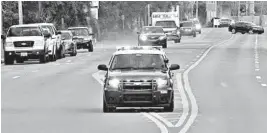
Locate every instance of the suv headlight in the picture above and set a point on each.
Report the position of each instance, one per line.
(87, 39)
(114, 83)
(9, 44)
(198, 26)
(162, 83)
(143, 37)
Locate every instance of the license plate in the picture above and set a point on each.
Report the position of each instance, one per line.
(24, 54)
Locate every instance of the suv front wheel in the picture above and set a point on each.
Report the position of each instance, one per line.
(8, 59)
(90, 47)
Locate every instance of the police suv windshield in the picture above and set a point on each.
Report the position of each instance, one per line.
(138, 61)
(152, 30)
(80, 32)
(166, 24)
(24, 31)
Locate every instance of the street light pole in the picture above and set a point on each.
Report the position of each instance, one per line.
(238, 11)
(20, 12)
(197, 9)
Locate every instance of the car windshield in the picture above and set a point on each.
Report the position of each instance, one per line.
(24, 31)
(80, 32)
(166, 24)
(138, 61)
(66, 35)
(152, 30)
(187, 24)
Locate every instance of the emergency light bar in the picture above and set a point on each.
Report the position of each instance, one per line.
(120, 48)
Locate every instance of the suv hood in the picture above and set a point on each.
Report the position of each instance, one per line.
(24, 38)
(137, 74)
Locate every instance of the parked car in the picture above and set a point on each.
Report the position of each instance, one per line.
(245, 27)
(152, 36)
(58, 50)
(188, 28)
(68, 42)
(83, 38)
(27, 41)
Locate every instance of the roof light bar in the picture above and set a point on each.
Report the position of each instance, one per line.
(120, 48)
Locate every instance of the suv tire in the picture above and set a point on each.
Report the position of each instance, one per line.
(106, 109)
(90, 47)
(9, 60)
(177, 41)
(170, 107)
(194, 35)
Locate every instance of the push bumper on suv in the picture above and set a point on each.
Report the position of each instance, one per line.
(138, 98)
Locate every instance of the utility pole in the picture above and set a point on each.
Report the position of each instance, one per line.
(39, 10)
(261, 8)
(20, 12)
(238, 11)
(197, 9)
(148, 14)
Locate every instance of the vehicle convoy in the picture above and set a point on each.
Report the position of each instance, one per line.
(69, 44)
(83, 38)
(188, 28)
(152, 35)
(245, 27)
(28, 41)
(169, 21)
(57, 48)
(197, 25)
(138, 77)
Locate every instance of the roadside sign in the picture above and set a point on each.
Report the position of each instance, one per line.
(122, 17)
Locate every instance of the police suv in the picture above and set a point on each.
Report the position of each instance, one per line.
(138, 77)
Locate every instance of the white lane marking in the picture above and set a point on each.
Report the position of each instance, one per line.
(169, 124)
(15, 77)
(194, 110)
(185, 102)
(258, 77)
(161, 126)
(98, 78)
(68, 61)
(264, 85)
(257, 69)
(34, 71)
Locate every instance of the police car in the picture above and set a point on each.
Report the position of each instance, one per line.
(138, 77)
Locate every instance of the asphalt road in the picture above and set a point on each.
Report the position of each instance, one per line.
(66, 96)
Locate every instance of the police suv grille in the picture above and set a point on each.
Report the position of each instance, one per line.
(23, 43)
(153, 37)
(138, 84)
(137, 97)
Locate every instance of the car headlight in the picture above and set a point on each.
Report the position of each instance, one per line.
(162, 37)
(39, 42)
(114, 83)
(162, 83)
(143, 37)
(9, 44)
(87, 39)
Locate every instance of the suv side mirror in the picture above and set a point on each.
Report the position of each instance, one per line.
(174, 67)
(138, 32)
(91, 34)
(102, 67)
(181, 25)
(166, 60)
(3, 37)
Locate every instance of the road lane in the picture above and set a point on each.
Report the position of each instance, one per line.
(229, 98)
(260, 58)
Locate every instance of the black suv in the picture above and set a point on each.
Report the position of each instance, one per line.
(138, 77)
(245, 27)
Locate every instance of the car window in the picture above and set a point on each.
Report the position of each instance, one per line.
(166, 24)
(152, 30)
(45, 27)
(66, 35)
(80, 32)
(24, 31)
(187, 24)
(138, 61)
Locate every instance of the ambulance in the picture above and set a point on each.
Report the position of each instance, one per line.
(170, 23)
